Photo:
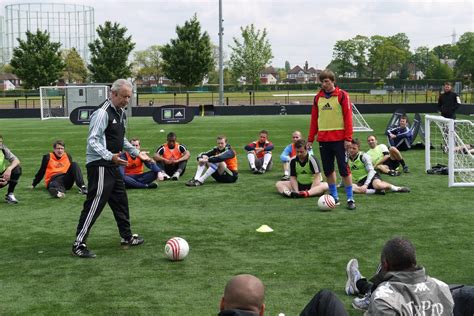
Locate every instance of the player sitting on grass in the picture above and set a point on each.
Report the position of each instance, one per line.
(366, 179)
(400, 136)
(305, 175)
(221, 164)
(172, 158)
(133, 173)
(400, 286)
(385, 160)
(59, 172)
(10, 172)
(259, 153)
(288, 153)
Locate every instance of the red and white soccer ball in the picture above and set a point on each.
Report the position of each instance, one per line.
(326, 202)
(176, 249)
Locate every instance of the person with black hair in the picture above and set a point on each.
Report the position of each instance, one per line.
(400, 136)
(401, 287)
(60, 172)
(305, 175)
(172, 157)
(448, 102)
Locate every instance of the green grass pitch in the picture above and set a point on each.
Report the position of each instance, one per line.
(307, 251)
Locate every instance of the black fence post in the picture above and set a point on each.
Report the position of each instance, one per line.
(187, 98)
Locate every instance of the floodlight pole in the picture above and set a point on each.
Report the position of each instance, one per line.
(221, 57)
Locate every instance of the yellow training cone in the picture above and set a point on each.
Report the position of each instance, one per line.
(264, 229)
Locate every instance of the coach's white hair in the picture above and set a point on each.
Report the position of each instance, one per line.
(117, 85)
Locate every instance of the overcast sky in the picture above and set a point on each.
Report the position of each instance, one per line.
(298, 30)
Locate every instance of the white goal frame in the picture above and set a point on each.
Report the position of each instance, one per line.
(359, 124)
(450, 141)
(65, 107)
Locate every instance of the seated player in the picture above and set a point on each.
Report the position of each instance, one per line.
(288, 153)
(400, 136)
(259, 153)
(59, 172)
(383, 159)
(133, 174)
(366, 179)
(172, 158)
(10, 172)
(400, 286)
(305, 175)
(221, 163)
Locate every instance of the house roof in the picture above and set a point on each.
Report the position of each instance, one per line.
(269, 70)
(296, 70)
(8, 76)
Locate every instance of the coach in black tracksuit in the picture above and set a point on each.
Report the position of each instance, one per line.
(448, 102)
(105, 184)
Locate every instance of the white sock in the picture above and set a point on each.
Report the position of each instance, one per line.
(394, 188)
(370, 191)
(199, 171)
(212, 168)
(251, 158)
(266, 159)
(286, 169)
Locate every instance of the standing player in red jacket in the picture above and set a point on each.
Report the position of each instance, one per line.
(331, 121)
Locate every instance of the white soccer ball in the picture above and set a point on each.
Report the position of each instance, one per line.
(176, 249)
(326, 202)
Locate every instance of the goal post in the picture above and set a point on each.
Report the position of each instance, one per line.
(60, 101)
(359, 124)
(450, 143)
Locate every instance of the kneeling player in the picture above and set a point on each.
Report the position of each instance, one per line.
(221, 164)
(305, 175)
(363, 174)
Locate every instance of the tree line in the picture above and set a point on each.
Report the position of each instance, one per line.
(191, 58)
(381, 56)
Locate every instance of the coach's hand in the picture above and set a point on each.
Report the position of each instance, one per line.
(309, 145)
(119, 161)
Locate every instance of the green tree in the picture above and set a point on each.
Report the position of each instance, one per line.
(75, 70)
(37, 61)
(6, 69)
(465, 62)
(287, 66)
(188, 58)
(109, 53)
(424, 59)
(361, 46)
(446, 50)
(148, 63)
(439, 70)
(282, 74)
(351, 55)
(342, 56)
(387, 54)
(249, 57)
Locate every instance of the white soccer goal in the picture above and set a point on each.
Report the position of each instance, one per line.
(358, 122)
(450, 143)
(60, 101)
